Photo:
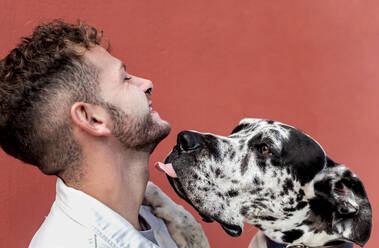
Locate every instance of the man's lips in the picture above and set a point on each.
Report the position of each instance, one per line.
(166, 168)
(149, 101)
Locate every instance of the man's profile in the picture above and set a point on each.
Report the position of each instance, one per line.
(70, 108)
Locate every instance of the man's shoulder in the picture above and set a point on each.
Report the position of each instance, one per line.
(59, 230)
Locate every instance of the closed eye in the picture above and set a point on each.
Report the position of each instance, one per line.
(127, 78)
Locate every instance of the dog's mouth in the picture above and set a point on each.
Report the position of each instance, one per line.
(168, 168)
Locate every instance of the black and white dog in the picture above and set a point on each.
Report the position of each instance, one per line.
(272, 176)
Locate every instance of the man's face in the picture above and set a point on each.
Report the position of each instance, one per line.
(126, 98)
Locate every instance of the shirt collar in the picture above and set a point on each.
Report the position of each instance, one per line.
(93, 214)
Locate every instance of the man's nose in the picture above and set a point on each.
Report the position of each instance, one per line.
(143, 84)
(189, 141)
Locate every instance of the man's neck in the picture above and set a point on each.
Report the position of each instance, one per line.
(116, 178)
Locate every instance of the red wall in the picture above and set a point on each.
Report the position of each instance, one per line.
(311, 64)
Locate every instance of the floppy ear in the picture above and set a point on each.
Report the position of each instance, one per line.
(303, 155)
(349, 206)
(353, 218)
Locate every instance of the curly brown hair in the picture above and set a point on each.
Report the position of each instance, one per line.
(39, 81)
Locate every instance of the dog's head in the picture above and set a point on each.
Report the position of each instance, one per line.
(275, 177)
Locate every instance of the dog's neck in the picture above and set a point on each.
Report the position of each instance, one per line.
(273, 244)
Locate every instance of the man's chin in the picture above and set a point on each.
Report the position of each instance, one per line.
(158, 132)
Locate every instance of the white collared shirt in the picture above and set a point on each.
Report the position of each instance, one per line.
(77, 220)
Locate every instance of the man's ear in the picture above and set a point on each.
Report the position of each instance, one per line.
(90, 118)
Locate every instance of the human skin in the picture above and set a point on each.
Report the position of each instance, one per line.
(111, 172)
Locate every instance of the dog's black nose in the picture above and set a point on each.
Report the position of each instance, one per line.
(188, 140)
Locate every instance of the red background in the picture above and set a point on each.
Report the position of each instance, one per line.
(311, 64)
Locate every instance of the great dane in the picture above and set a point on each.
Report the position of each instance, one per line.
(268, 174)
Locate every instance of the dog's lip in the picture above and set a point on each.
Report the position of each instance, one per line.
(231, 229)
(177, 186)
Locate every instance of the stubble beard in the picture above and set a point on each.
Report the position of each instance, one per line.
(142, 134)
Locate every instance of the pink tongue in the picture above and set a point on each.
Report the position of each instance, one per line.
(167, 168)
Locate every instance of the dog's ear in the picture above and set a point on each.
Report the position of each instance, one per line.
(303, 155)
(353, 218)
(346, 199)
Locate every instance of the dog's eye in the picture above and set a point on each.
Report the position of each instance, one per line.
(264, 149)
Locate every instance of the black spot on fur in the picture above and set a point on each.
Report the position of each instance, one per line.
(255, 191)
(256, 181)
(205, 189)
(260, 199)
(288, 214)
(322, 208)
(347, 173)
(211, 143)
(199, 201)
(253, 142)
(270, 121)
(275, 162)
(195, 176)
(240, 127)
(220, 195)
(218, 172)
(243, 210)
(260, 204)
(289, 209)
(303, 155)
(323, 187)
(300, 195)
(306, 223)
(292, 235)
(232, 193)
(241, 146)
(330, 163)
(301, 205)
(353, 184)
(232, 154)
(288, 185)
(267, 218)
(244, 163)
(261, 164)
